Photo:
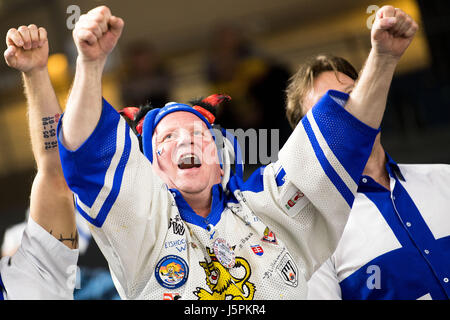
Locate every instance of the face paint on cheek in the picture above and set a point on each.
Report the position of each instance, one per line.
(160, 150)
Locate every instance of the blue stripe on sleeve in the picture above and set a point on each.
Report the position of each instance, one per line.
(117, 183)
(350, 139)
(85, 168)
(326, 166)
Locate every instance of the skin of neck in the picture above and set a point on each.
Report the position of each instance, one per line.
(376, 165)
(199, 202)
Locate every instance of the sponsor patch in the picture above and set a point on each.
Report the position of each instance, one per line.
(177, 225)
(257, 249)
(224, 253)
(171, 272)
(269, 236)
(171, 296)
(293, 200)
(287, 269)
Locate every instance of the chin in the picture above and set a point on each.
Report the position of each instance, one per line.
(191, 188)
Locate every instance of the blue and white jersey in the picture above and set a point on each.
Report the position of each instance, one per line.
(43, 268)
(262, 239)
(396, 244)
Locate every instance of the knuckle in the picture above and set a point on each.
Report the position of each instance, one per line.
(32, 26)
(99, 17)
(104, 9)
(82, 18)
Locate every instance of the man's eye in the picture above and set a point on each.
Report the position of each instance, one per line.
(167, 137)
(198, 133)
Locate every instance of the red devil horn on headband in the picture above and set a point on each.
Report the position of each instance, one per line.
(216, 99)
(130, 113)
(212, 101)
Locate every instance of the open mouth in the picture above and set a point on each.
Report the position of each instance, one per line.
(189, 161)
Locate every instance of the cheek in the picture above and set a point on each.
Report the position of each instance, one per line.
(210, 155)
(163, 155)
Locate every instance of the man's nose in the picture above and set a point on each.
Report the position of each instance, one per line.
(185, 138)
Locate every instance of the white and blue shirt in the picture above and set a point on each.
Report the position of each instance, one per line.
(396, 244)
(263, 238)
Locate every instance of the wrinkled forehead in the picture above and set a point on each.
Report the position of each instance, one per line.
(179, 120)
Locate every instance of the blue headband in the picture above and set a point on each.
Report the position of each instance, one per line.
(153, 117)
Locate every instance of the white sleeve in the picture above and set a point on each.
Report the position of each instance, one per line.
(308, 193)
(117, 192)
(324, 284)
(42, 268)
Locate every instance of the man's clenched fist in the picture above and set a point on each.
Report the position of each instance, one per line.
(96, 34)
(392, 32)
(27, 48)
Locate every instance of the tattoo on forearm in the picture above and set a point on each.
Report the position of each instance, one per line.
(49, 131)
(72, 238)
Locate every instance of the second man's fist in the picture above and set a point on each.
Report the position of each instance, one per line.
(392, 32)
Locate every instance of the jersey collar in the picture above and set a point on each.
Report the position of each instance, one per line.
(217, 207)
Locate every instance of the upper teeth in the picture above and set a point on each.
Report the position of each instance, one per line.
(187, 156)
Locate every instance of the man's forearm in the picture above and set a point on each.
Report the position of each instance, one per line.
(368, 99)
(43, 115)
(84, 105)
(51, 202)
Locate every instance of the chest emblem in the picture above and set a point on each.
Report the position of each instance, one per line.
(171, 272)
(224, 286)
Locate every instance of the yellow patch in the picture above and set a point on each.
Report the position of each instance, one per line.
(222, 284)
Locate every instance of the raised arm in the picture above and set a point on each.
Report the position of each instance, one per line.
(325, 156)
(95, 35)
(51, 201)
(392, 32)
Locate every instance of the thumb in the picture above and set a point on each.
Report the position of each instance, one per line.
(384, 19)
(10, 56)
(381, 25)
(386, 23)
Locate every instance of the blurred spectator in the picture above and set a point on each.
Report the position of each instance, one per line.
(255, 82)
(146, 78)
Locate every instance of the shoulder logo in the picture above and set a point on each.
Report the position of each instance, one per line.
(171, 272)
(292, 201)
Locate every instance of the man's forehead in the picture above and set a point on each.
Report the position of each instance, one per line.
(327, 78)
(180, 120)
